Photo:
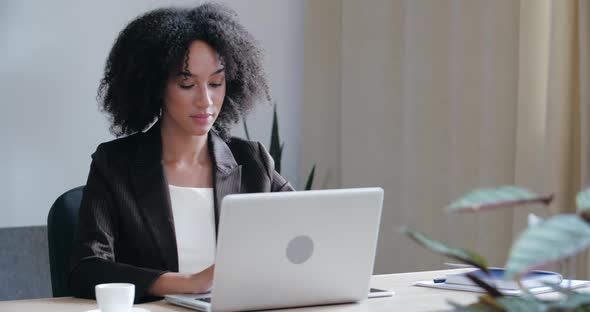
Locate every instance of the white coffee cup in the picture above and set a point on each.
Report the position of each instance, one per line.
(115, 297)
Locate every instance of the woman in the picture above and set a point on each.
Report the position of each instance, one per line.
(149, 213)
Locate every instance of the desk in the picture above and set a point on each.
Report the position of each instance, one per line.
(407, 298)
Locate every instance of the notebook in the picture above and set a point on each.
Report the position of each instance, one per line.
(462, 283)
(495, 276)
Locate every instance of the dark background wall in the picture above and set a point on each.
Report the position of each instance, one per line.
(24, 263)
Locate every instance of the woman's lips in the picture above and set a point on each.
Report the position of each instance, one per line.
(201, 118)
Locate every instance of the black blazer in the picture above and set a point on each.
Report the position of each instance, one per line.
(126, 231)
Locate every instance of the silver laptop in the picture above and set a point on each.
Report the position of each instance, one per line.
(279, 250)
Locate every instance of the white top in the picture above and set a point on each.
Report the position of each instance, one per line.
(194, 223)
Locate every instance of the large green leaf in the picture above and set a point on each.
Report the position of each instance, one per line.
(583, 200)
(572, 301)
(475, 307)
(583, 203)
(484, 303)
(489, 198)
(488, 303)
(463, 255)
(550, 241)
(518, 304)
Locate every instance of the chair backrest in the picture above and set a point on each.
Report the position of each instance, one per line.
(62, 223)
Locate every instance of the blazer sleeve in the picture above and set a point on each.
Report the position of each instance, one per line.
(94, 259)
(278, 182)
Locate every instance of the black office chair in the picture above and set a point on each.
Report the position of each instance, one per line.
(62, 222)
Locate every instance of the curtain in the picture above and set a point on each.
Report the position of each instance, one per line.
(552, 128)
(439, 97)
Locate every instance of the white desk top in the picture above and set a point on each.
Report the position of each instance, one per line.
(407, 298)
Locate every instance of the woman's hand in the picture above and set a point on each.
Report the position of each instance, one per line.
(181, 283)
(203, 281)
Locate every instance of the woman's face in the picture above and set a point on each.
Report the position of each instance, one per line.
(194, 94)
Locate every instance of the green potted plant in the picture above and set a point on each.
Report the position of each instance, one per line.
(276, 147)
(555, 239)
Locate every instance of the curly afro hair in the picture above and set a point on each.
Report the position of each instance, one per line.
(138, 66)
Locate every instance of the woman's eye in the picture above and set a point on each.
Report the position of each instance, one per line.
(216, 84)
(186, 86)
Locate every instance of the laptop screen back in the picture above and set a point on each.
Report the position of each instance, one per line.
(278, 250)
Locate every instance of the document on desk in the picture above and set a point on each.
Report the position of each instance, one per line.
(510, 292)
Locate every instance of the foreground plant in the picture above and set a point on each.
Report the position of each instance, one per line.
(549, 241)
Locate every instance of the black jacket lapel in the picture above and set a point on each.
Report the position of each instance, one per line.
(227, 174)
(152, 195)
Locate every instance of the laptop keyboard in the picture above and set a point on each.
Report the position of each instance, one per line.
(208, 300)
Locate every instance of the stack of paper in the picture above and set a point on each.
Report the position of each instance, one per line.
(510, 292)
(535, 282)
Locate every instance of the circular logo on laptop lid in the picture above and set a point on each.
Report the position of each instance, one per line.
(299, 249)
